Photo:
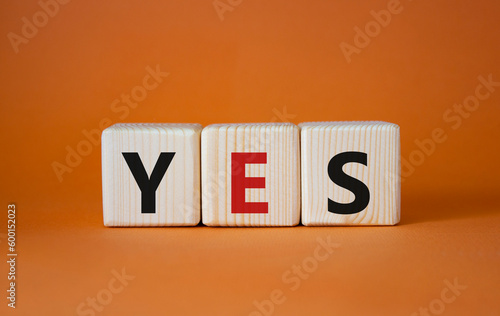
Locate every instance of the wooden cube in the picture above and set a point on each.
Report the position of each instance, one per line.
(350, 173)
(250, 175)
(151, 174)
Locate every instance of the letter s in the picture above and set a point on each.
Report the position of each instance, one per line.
(360, 190)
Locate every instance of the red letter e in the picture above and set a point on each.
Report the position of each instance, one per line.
(239, 183)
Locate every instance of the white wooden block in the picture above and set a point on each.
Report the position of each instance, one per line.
(151, 195)
(349, 142)
(269, 151)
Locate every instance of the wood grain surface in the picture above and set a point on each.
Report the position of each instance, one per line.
(282, 173)
(178, 194)
(321, 141)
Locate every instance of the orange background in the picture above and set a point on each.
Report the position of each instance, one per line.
(262, 57)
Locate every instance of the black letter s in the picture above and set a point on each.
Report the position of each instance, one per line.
(360, 190)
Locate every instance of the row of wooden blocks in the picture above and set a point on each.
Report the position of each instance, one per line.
(269, 174)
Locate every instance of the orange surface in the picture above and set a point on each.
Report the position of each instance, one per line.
(263, 58)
